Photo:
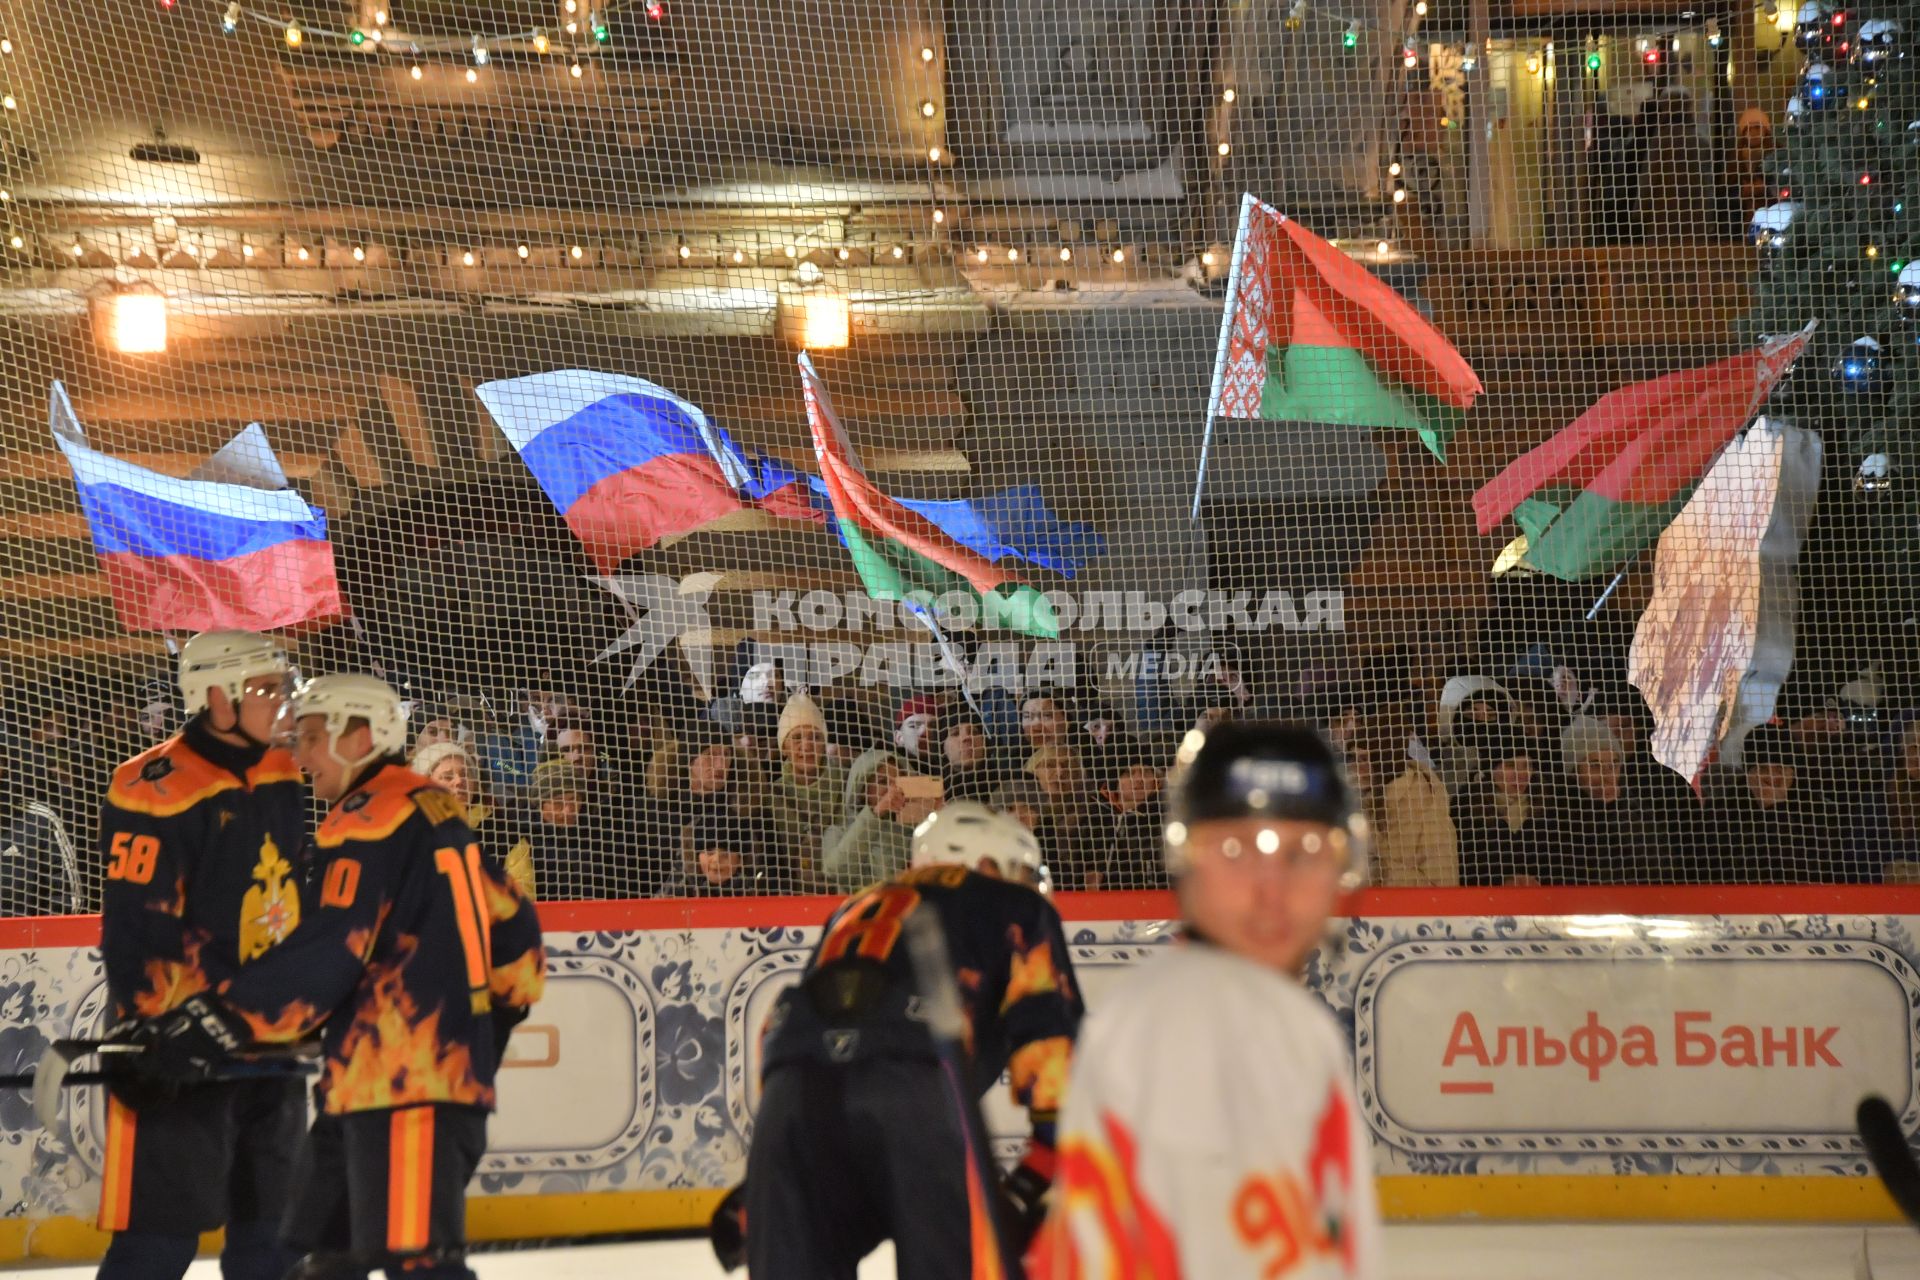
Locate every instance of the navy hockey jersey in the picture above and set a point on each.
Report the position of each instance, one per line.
(198, 840)
(858, 997)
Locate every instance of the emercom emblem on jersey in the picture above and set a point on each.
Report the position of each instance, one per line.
(271, 908)
(156, 769)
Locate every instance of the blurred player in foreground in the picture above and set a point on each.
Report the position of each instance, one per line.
(196, 838)
(1210, 1129)
(859, 1138)
(417, 958)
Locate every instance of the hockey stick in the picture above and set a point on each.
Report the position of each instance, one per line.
(933, 971)
(1892, 1158)
(55, 1069)
(237, 1071)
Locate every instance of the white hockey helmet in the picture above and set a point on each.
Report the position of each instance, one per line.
(967, 833)
(226, 660)
(342, 699)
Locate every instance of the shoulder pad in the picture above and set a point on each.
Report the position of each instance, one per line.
(437, 804)
(275, 766)
(166, 780)
(374, 812)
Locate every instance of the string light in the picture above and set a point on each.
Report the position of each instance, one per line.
(473, 77)
(933, 155)
(358, 38)
(686, 251)
(739, 256)
(246, 251)
(939, 217)
(540, 42)
(1399, 195)
(379, 17)
(17, 241)
(466, 259)
(1593, 63)
(1350, 38)
(10, 102)
(480, 54)
(1119, 257)
(1393, 170)
(229, 23)
(927, 108)
(1066, 254)
(77, 249)
(1873, 251)
(601, 31)
(1013, 255)
(6, 46)
(1420, 8)
(575, 70)
(791, 253)
(1383, 249)
(980, 254)
(573, 6)
(655, 10)
(573, 27)
(1228, 94)
(523, 250)
(898, 253)
(1207, 258)
(359, 254)
(926, 53)
(1409, 58)
(843, 253)
(1224, 149)
(416, 71)
(302, 253)
(576, 253)
(294, 35)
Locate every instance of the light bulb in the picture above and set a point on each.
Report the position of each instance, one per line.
(294, 35)
(576, 253)
(6, 46)
(573, 28)
(898, 253)
(1207, 259)
(466, 259)
(939, 217)
(5, 195)
(379, 17)
(17, 241)
(1225, 149)
(246, 251)
(376, 35)
(524, 251)
(473, 77)
(1873, 251)
(1013, 255)
(415, 71)
(572, 6)
(842, 253)
(1066, 254)
(1400, 195)
(738, 257)
(10, 102)
(1228, 94)
(575, 70)
(77, 249)
(1393, 170)
(229, 23)
(358, 38)
(686, 251)
(1119, 257)
(1420, 8)
(540, 42)
(480, 54)
(1383, 248)
(927, 108)
(933, 155)
(926, 53)
(980, 254)
(1533, 64)
(359, 254)
(302, 253)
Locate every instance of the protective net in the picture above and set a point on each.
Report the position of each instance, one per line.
(1022, 382)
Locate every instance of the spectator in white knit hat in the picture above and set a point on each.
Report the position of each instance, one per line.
(809, 787)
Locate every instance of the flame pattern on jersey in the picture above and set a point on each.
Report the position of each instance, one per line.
(391, 958)
(1098, 1200)
(184, 827)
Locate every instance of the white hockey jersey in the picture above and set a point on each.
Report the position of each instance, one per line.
(1210, 1133)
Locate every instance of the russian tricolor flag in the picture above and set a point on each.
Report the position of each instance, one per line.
(232, 546)
(625, 461)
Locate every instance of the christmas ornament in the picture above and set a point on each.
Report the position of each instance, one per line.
(1879, 42)
(1817, 86)
(1770, 228)
(1875, 476)
(1814, 27)
(1859, 370)
(1906, 294)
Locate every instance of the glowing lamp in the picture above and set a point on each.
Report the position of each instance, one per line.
(816, 319)
(132, 320)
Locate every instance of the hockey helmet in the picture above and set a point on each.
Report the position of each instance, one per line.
(967, 833)
(1280, 770)
(342, 699)
(226, 660)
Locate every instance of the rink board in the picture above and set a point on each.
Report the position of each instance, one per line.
(1630, 1054)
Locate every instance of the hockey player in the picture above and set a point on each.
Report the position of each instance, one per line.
(1210, 1129)
(858, 1138)
(197, 837)
(416, 957)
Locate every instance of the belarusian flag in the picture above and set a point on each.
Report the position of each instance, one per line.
(899, 554)
(1310, 335)
(1602, 489)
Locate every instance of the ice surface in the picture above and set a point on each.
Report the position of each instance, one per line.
(1466, 1251)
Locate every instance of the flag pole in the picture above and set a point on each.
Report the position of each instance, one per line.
(924, 616)
(1220, 356)
(1598, 604)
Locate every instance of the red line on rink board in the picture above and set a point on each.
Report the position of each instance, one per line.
(17, 933)
(1466, 1086)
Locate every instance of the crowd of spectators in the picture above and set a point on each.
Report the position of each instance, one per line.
(1522, 777)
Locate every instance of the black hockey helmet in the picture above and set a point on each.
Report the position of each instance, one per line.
(1283, 770)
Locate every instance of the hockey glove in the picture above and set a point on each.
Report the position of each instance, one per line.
(1024, 1191)
(126, 1079)
(190, 1043)
(728, 1229)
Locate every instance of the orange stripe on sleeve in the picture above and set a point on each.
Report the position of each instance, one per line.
(116, 1181)
(409, 1179)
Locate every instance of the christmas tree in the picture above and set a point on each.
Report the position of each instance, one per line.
(1842, 245)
